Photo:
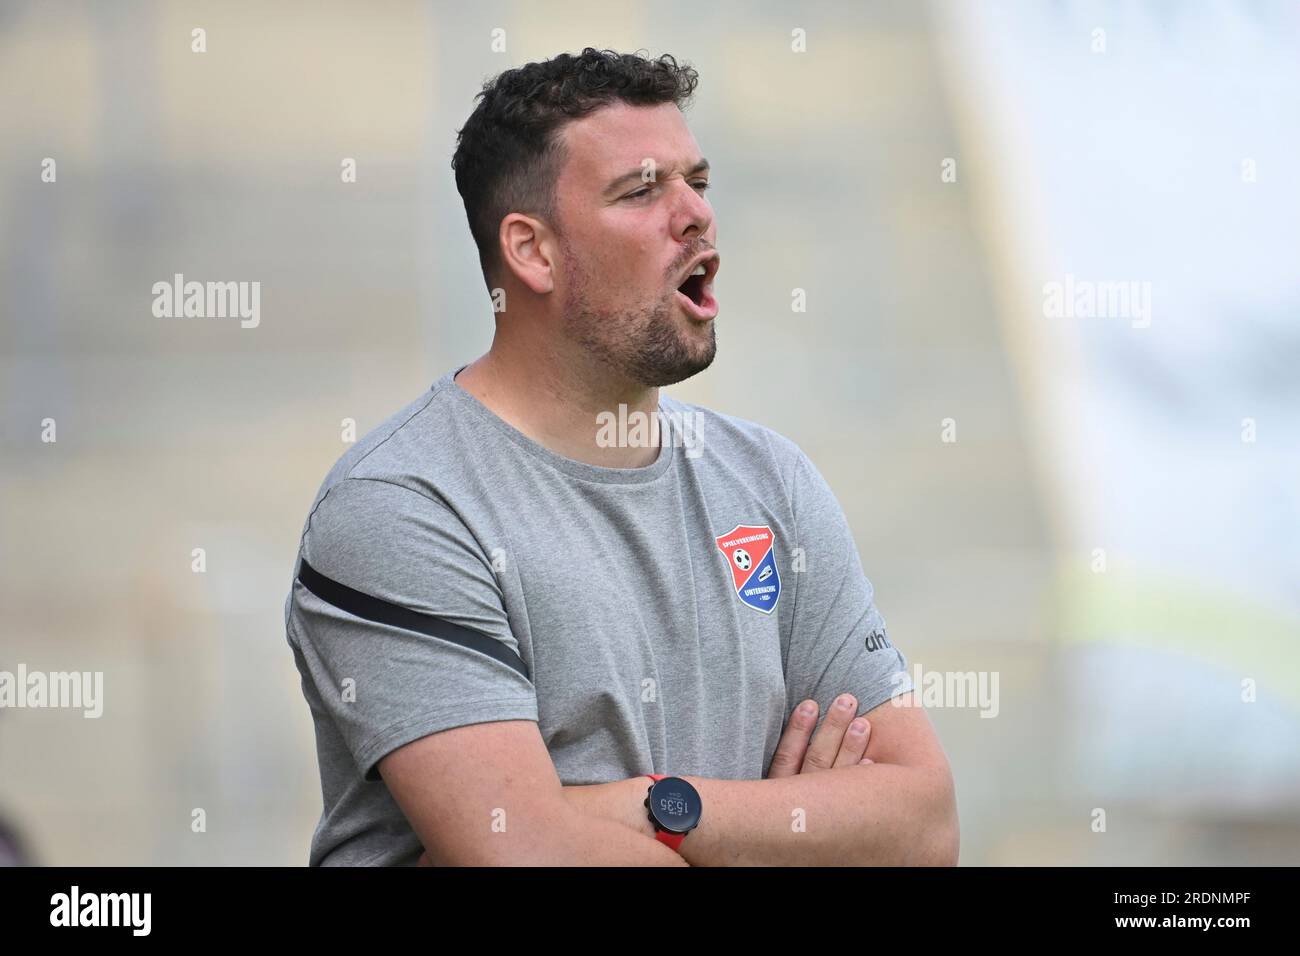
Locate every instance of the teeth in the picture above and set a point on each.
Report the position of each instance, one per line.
(699, 270)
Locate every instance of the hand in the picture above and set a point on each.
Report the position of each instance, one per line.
(836, 744)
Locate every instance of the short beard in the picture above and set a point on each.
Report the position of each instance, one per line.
(643, 345)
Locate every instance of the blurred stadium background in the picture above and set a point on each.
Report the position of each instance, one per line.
(1101, 534)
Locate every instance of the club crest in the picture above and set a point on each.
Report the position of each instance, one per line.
(751, 555)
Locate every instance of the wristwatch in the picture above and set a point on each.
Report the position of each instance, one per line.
(674, 808)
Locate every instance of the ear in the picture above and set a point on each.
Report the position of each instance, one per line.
(526, 251)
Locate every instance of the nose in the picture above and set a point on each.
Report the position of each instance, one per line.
(693, 216)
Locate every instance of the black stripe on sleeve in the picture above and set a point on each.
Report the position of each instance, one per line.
(383, 612)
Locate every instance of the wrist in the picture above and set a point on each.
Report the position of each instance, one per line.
(639, 813)
(622, 801)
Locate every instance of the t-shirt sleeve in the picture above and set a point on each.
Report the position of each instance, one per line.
(411, 635)
(838, 640)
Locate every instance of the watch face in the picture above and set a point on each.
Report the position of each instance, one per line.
(675, 804)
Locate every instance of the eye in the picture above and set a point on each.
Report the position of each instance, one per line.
(702, 185)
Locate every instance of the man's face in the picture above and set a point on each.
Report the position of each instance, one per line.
(628, 243)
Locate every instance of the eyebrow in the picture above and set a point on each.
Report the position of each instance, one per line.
(635, 175)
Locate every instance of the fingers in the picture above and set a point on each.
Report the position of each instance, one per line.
(827, 741)
(853, 749)
(788, 759)
(841, 741)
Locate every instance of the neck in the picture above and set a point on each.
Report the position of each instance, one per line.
(560, 402)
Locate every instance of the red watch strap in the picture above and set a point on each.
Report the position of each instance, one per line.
(671, 840)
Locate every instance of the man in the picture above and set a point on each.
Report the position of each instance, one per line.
(542, 581)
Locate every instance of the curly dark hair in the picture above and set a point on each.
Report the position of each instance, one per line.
(509, 154)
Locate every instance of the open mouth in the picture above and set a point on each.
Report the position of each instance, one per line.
(696, 291)
(693, 288)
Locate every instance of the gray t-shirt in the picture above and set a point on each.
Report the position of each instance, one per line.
(663, 619)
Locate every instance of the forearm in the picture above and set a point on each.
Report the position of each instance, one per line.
(601, 842)
(575, 836)
(874, 815)
(623, 838)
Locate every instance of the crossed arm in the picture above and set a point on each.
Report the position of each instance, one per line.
(885, 797)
